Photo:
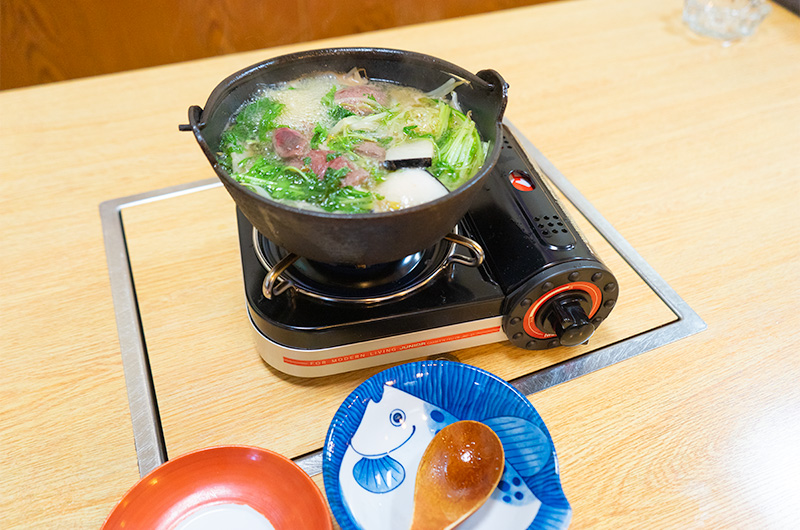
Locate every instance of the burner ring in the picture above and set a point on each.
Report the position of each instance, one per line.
(360, 284)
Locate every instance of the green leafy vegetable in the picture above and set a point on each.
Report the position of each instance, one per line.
(412, 132)
(345, 142)
(348, 200)
(327, 99)
(460, 151)
(337, 112)
(254, 121)
(229, 143)
(284, 182)
(319, 135)
(259, 117)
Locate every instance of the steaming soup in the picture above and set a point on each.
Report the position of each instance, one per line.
(345, 143)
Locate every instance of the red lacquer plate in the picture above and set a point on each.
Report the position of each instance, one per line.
(266, 482)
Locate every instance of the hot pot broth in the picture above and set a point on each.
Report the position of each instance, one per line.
(345, 143)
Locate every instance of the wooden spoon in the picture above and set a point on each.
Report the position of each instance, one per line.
(458, 472)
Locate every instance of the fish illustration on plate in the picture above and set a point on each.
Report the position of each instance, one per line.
(378, 470)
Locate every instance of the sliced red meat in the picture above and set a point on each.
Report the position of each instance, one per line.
(371, 150)
(361, 99)
(289, 143)
(339, 163)
(294, 162)
(319, 161)
(355, 177)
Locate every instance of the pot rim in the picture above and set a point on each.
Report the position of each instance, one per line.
(227, 85)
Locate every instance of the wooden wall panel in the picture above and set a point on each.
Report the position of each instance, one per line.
(51, 40)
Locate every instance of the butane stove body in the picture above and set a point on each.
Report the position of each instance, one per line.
(515, 268)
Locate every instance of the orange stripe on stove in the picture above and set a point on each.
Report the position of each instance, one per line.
(392, 349)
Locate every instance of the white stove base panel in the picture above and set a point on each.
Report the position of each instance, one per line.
(398, 348)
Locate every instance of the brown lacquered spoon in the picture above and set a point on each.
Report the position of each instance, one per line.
(458, 472)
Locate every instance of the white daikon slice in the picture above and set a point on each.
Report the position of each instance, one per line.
(409, 187)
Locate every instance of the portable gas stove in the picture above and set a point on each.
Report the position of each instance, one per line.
(527, 276)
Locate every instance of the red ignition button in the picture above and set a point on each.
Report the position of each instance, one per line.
(521, 180)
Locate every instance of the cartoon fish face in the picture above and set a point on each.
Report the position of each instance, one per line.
(394, 421)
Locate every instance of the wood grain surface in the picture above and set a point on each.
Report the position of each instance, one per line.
(213, 388)
(44, 40)
(688, 147)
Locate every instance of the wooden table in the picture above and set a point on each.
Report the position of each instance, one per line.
(689, 148)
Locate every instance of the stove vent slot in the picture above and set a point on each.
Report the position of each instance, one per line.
(550, 226)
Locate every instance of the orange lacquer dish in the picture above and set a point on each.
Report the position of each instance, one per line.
(264, 483)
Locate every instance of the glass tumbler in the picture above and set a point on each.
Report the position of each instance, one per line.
(727, 20)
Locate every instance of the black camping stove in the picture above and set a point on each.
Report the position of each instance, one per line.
(515, 268)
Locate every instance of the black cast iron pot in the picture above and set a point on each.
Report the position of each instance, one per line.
(354, 239)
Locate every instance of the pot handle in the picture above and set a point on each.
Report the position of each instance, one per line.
(476, 250)
(194, 119)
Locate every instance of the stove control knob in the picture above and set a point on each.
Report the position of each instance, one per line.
(569, 320)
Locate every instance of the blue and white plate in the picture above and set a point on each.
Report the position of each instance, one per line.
(380, 432)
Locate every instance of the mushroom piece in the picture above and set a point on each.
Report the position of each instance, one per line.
(412, 153)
